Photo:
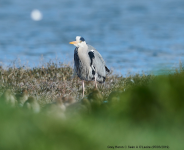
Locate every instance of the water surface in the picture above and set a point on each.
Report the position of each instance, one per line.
(132, 36)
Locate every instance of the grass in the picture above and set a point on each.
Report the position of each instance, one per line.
(139, 110)
(56, 79)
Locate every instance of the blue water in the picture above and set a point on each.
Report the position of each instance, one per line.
(131, 35)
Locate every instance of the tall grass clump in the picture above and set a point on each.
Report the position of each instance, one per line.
(138, 111)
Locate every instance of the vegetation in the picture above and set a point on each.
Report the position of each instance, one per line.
(56, 79)
(139, 110)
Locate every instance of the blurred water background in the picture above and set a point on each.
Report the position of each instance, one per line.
(132, 36)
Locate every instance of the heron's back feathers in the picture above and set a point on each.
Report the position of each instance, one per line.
(91, 65)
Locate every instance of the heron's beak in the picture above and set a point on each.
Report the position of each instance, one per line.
(74, 42)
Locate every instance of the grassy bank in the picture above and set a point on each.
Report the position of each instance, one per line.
(139, 110)
(56, 79)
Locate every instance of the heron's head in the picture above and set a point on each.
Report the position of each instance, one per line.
(80, 42)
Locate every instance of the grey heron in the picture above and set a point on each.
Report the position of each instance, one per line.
(88, 63)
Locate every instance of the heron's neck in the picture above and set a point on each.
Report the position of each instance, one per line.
(82, 45)
(83, 55)
(83, 49)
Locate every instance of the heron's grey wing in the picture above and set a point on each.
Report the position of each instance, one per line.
(97, 63)
(97, 54)
(99, 58)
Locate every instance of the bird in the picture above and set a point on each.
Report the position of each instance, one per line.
(88, 63)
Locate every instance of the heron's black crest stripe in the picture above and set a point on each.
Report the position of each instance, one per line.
(91, 56)
(82, 39)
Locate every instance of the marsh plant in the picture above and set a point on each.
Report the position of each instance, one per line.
(132, 111)
(56, 79)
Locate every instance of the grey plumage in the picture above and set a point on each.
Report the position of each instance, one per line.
(88, 63)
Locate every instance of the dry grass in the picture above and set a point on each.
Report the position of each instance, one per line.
(56, 79)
